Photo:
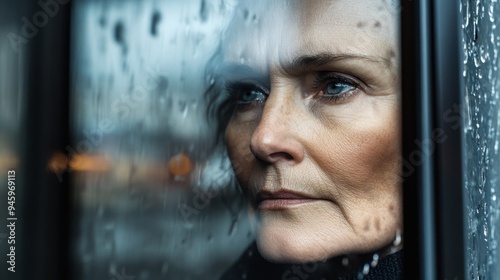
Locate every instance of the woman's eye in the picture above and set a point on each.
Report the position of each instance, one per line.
(246, 93)
(337, 88)
(250, 96)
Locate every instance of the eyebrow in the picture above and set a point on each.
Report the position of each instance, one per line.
(236, 71)
(307, 62)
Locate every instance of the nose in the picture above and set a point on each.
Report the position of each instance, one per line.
(277, 135)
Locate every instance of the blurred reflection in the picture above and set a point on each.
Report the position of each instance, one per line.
(155, 200)
(11, 98)
(10, 92)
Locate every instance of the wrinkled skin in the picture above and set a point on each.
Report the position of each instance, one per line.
(287, 132)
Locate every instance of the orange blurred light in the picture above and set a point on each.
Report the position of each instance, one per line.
(8, 162)
(180, 165)
(81, 162)
(57, 163)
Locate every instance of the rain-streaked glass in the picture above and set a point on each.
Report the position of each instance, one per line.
(153, 197)
(481, 130)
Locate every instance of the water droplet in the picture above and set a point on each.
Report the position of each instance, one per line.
(475, 31)
(477, 61)
(483, 54)
(118, 32)
(466, 55)
(155, 20)
(483, 177)
(467, 17)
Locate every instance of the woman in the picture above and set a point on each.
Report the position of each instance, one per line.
(312, 125)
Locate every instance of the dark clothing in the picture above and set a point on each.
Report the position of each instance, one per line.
(252, 266)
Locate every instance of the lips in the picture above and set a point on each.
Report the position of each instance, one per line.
(282, 199)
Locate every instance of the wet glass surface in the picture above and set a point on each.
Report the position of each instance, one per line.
(481, 107)
(153, 197)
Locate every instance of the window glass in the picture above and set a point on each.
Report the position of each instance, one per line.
(481, 108)
(236, 139)
(154, 200)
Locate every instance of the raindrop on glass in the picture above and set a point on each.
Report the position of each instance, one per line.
(491, 13)
(155, 20)
(483, 54)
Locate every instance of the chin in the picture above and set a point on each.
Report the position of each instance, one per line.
(292, 238)
(288, 250)
(289, 242)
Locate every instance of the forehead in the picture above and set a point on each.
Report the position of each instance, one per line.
(280, 31)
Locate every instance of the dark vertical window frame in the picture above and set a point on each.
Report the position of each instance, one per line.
(44, 228)
(417, 199)
(432, 195)
(449, 161)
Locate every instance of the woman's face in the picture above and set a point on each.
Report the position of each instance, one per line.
(315, 134)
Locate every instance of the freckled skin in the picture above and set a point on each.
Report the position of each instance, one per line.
(345, 154)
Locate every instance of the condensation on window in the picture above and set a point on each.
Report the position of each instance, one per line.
(481, 44)
(154, 198)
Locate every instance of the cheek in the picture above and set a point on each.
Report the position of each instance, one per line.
(364, 150)
(237, 137)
